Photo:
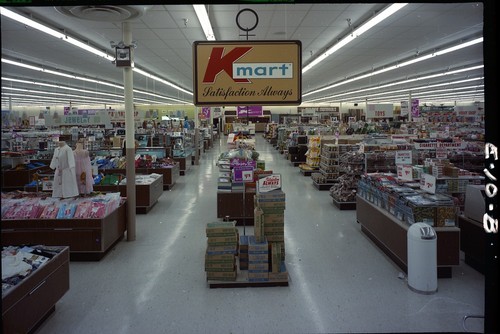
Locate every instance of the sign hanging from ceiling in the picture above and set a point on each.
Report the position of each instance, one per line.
(247, 73)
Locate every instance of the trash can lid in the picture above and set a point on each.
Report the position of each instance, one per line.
(427, 233)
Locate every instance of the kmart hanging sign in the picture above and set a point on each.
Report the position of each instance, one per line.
(247, 73)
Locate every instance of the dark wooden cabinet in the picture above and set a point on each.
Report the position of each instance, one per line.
(146, 195)
(170, 175)
(26, 305)
(473, 242)
(237, 206)
(184, 163)
(390, 235)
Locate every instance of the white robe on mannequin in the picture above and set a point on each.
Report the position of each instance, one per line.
(63, 162)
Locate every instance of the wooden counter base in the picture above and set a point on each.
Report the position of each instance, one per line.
(390, 235)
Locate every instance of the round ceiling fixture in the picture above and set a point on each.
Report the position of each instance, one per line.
(109, 13)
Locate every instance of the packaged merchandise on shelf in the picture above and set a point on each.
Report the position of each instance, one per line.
(53, 208)
(143, 179)
(20, 262)
(407, 203)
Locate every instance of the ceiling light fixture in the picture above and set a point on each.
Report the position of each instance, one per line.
(57, 34)
(356, 33)
(29, 22)
(88, 91)
(399, 83)
(403, 64)
(202, 14)
(148, 75)
(72, 76)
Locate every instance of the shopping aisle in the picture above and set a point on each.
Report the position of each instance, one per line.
(339, 280)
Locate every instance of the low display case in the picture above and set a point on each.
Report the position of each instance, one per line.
(26, 305)
(88, 239)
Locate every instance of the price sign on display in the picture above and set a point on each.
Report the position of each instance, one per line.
(47, 185)
(428, 183)
(243, 174)
(441, 153)
(405, 173)
(403, 158)
(247, 175)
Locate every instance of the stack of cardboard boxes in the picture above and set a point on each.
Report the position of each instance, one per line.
(258, 260)
(222, 246)
(269, 228)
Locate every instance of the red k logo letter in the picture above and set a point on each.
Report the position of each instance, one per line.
(218, 63)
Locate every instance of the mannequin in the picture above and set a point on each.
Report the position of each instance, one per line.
(63, 162)
(83, 169)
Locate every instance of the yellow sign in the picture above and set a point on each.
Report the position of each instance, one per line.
(247, 73)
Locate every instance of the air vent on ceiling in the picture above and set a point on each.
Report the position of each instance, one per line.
(109, 13)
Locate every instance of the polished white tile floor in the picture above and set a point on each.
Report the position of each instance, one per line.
(340, 282)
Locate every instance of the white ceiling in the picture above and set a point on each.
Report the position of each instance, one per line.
(165, 34)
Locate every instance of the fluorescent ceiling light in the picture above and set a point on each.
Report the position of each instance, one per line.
(154, 77)
(57, 34)
(356, 33)
(62, 74)
(398, 83)
(201, 12)
(27, 21)
(72, 76)
(403, 64)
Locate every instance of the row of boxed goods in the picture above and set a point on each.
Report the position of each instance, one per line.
(408, 204)
(222, 248)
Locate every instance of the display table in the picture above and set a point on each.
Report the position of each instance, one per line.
(343, 205)
(170, 175)
(232, 205)
(88, 239)
(18, 179)
(184, 163)
(26, 305)
(472, 242)
(390, 234)
(322, 186)
(146, 195)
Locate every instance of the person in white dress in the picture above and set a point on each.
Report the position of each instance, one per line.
(63, 161)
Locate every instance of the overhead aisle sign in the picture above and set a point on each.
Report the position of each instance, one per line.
(247, 73)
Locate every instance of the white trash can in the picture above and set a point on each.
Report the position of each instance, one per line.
(422, 258)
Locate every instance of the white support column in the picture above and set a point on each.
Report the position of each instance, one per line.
(410, 106)
(129, 135)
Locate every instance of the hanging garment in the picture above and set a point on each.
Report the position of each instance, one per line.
(63, 162)
(83, 170)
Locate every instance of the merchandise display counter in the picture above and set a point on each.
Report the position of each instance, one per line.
(184, 163)
(322, 186)
(26, 305)
(147, 194)
(344, 205)
(170, 174)
(17, 179)
(88, 239)
(472, 242)
(232, 205)
(390, 235)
